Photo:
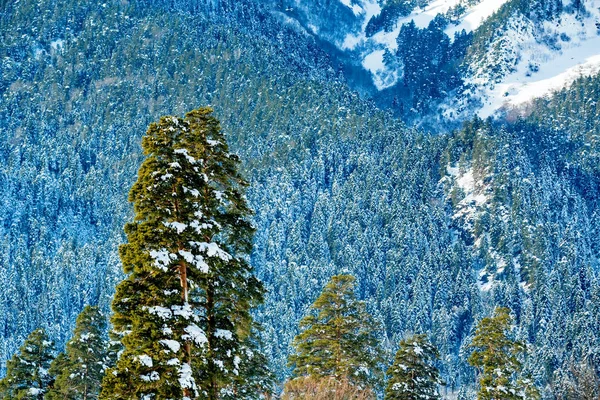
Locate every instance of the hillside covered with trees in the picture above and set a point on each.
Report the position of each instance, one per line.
(439, 231)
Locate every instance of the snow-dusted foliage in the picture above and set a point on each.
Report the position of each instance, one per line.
(182, 312)
(27, 375)
(413, 374)
(337, 186)
(78, 372)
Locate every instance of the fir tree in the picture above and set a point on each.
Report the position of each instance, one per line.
(496, 358)
(79, 370)
(254, 380)
(413, 375)
(184, 309)
(337, 338)
(27, 375)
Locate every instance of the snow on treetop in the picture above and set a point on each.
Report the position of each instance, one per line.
(224, 334)
(195, 260)
(162, 258)
(145, 360)
(165, 313)
(186, 380)
(178, 226)
(418, 349)
(184, 152)
(213, 250)
(152, 377)
(196, 334)
(172, 345)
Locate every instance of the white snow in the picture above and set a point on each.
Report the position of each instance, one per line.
(356, 9)
(520, 51)
(162, 258)
(213, 250)
(196, 334)
(173, 345)
(372, 49)
(558, 73)
(418, 349)
(184, 152)
(474, 198)
(162, 312)
(195, 260)
(474, 17)
(224, 334)
(178, 226)
(153, 377)
(184, 311)
(84, 337)
(145, 360)
(57, 44)
(421, 18)
(198, 227)
(186, 380)
(382, 76)
(193, 192)
(532, 68)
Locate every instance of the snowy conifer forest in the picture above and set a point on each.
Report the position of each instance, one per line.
(316, 199)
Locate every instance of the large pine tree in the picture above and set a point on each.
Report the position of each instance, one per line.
(496, 357)
(337, 339)
(413, 375)
(79, 370)
(27, 375)
(184, 309)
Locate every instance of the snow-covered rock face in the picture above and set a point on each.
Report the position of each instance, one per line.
(539, 58)
(526, 57)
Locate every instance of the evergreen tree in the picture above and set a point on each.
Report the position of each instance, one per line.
(79, 370)
(496, 358)
(413, 375)
(184, 309)
(337, 338)
(254, 380)
(27, 375)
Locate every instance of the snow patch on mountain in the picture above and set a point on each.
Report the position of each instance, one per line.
(475, 16)
(382, 76)
(474, 195)
(372, 48)
(356, 9)
(548, 59)
(519, 89)
(528, 60)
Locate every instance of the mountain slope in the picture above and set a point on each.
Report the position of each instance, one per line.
(517, 50)
(437, 229)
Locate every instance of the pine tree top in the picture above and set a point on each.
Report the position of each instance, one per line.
(496, 356)
(338, 337)
(27, 375)
(413, 374)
